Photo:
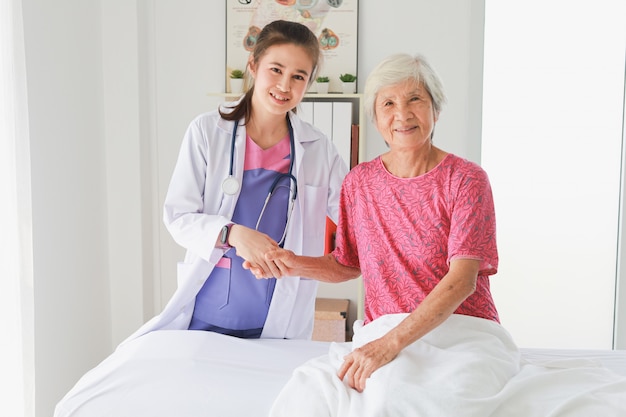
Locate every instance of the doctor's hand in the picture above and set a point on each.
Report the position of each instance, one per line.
(281, 263)
(362, 362)
(252, 246)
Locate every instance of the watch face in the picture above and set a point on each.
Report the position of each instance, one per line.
(224, 236)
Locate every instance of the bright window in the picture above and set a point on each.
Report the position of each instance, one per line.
(552, 145)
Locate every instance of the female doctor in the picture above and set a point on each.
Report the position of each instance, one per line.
(250, 178)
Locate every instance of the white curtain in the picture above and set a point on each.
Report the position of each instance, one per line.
(16, 284)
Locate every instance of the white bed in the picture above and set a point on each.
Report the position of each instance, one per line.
(193, 373)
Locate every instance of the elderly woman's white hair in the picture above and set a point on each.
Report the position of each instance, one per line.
(398, 68)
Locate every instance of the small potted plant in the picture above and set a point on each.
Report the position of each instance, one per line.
(321, 84)
(348, 83)
(236, 81)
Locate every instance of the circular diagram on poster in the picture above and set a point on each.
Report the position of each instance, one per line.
(328, 39)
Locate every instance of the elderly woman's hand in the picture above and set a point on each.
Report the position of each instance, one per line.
(362, 362)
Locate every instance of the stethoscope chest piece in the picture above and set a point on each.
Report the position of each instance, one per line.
(230, 185)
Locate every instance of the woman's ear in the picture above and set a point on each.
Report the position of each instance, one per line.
(251, 67)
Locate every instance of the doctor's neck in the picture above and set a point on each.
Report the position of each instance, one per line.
(265, 132)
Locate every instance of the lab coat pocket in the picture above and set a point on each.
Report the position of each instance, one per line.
(216, 289)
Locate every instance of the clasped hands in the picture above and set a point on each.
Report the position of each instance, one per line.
(254, 246)
(276, 263)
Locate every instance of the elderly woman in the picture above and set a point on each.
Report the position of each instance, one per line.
(417, 222)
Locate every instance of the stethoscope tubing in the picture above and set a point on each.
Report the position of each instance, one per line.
(231, 185)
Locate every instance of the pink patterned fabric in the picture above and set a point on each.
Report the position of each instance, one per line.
(403, 232)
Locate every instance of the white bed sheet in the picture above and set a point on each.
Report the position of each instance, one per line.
(180, 373)
(615, 360)
(194, 373)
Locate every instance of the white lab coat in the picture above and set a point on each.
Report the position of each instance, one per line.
(196, 209)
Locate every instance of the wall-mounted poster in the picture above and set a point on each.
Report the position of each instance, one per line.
(334, 22)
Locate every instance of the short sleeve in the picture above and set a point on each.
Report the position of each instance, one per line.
(472, 220)
(346, 248)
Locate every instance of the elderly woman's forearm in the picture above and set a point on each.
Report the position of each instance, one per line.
(325, 268)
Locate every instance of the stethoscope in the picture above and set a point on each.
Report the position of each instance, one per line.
(231, 185)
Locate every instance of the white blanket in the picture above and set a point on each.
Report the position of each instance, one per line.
(466, 367)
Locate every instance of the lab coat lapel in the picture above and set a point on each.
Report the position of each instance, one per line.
(282, 309)
(230, 201)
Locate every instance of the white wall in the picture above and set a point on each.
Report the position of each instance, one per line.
(128, 163)
(112, 86)
(450, 34)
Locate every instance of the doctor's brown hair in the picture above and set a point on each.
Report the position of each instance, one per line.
(278, 32)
